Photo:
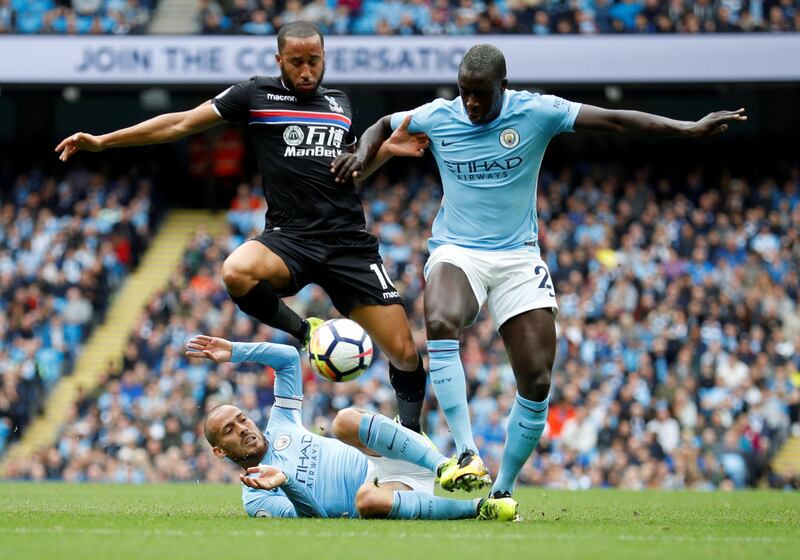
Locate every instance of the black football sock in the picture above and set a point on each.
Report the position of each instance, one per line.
(264, 304)
(410, 389)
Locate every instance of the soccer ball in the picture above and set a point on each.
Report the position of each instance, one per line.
(340, 350)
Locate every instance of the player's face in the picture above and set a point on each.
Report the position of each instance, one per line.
(482, 96)
(302, 64)
(237, 436)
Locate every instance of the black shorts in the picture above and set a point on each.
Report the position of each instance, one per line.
(347, 266)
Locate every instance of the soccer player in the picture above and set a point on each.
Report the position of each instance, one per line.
(489, 144)
(316, 230)
(376, 467)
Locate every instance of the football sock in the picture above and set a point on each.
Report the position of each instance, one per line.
(409, 386)
(412, 504)
(525, 425)
(450, 386)
(390, 439)
(263, 303)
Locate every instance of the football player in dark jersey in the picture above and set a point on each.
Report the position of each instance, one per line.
(316, 230)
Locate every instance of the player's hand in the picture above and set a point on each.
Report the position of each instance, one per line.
(78, 141)
(268, 477)
(346, 166)
(402, 143)
(218, 350)
(716, 123)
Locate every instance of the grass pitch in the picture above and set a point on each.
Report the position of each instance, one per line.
(54, 521)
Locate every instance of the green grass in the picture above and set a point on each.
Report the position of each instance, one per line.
(54, 521)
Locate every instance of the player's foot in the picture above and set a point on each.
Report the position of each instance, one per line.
(500, 506)
(464, 472)
(313, 324)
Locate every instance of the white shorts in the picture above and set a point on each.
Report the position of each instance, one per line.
(511, 282)
(394, 470)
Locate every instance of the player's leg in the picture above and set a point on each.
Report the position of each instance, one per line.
(395, 500)
(530, 340)
(388, 327)
(254, 275)
(450, 305)
(360, 288)
(377, 435)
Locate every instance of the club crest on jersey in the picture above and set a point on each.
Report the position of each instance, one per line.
(334, 106)
(509, 138)
(293, 135)
(282, 443)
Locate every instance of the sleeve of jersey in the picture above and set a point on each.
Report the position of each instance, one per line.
(304, 502)
(268, 504)
(556, 115)
(421, 118)
(233, 104)
(288, 376)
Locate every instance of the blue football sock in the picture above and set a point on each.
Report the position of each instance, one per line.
(525, 426)
(450, 386)
(390, 439)
(418, 505)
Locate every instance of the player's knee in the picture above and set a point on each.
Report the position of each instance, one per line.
(345, 425)
(237, 278)
(441, 325)
(535, 383)
(405, 355)
(372, 502)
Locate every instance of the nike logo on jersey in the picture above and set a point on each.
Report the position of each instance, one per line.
(446, 143)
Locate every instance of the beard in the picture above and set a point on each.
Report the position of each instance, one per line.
(301, 94)
(256, 455)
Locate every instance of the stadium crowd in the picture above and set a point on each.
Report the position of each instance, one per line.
(65, 246)
(476, 17)
(413, 17)
(75, 17)
(677, 366)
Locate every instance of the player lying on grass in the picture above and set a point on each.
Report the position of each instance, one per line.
(375, 469)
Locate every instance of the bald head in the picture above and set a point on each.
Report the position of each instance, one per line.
(216, 419)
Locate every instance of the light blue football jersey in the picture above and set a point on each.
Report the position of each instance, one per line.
(323, 473)
(489, 171)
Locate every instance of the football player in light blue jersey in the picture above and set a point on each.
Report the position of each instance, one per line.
(376, 467)
(489, 144)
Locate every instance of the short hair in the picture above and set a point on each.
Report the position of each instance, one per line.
(486, 60)
(299, 30)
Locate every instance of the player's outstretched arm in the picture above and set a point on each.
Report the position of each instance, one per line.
(646, 124)
(401, 143)
(158, 130)
(285, 360)
(219, 350)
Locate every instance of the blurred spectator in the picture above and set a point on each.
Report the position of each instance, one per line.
(319, 12)
(258, 24)
(8, 17)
